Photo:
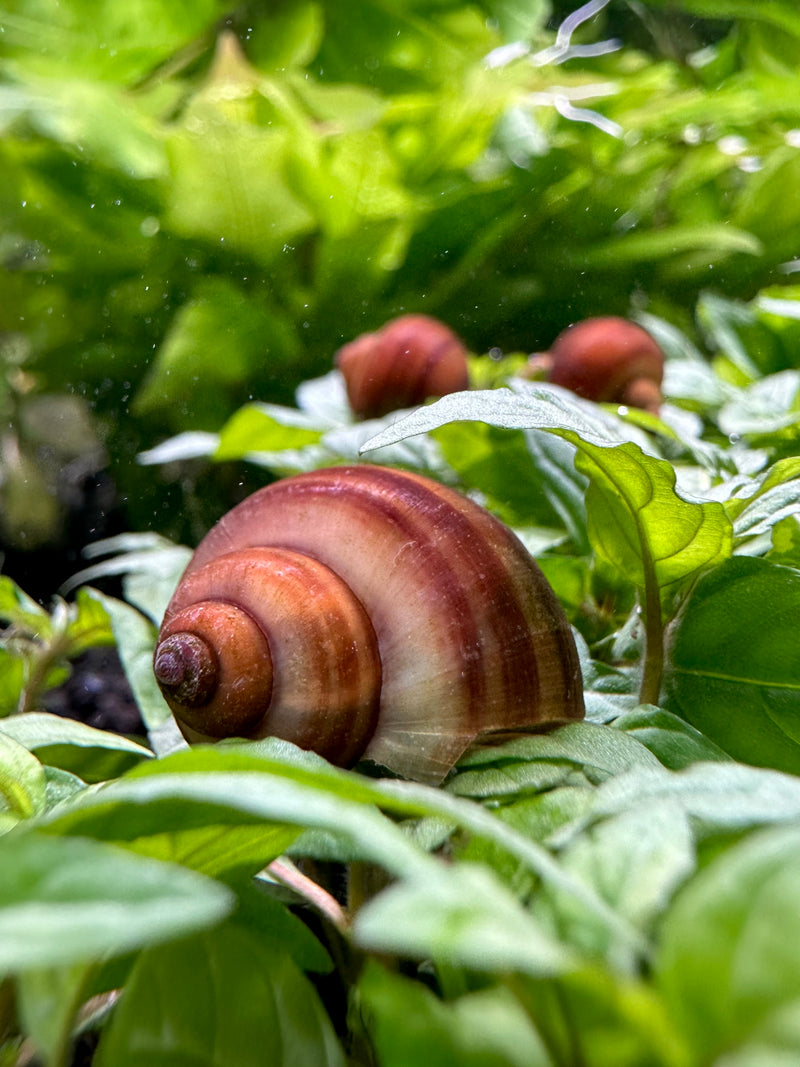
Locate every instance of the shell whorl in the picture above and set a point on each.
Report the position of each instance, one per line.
(469, 638)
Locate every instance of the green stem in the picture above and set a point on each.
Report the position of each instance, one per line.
(650, 690)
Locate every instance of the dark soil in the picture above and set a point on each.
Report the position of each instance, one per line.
(97, 693)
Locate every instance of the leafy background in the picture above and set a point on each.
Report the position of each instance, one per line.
(200, 204)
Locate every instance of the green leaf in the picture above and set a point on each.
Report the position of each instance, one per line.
(43, 34)
(150, 806)
(12, 681)
(671, 739)
(598, 751)
(219, 343)
(67, 900)
(719, 798)
(216, 999)
(244, 784)
(637, 521)
(716, 241)
(22, 780)
(268, 428)
(733, 671)
(229, 187)
(88, 624)
(728, 963)
(94, 755)
(461, 916)
(48, 1001)
(136, 637)
(489, 1028)
(765, 408)
(636, 861)
(775, 496)
(18, 609)
(150, 564)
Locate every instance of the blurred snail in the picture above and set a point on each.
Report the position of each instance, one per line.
(401, 365)
(364, 612)
(604, 359)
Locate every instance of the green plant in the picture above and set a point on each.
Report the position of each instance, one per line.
(618, 892)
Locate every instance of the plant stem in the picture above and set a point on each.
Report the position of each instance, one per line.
(285, 872)
(650, 689)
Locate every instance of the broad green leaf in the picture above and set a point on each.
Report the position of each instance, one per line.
(217, 849)
(775, 496)
(60, 785)
(244, 784)
(48, 1000)
(68, 900)
(219, 998)
(765, 408)
(674, 741)
(265, 427)
(597, 751)
(94, 755)
(120, 45)
(728, 962)
(22, 780)
(489, 1028)
(229, 187)
(636, 861)
(88, 624)
(114, 131)
(151, 806)
(461, 916)
(639, 523)
(636, 519)
(290, 37)
(191, 444)
(526, 481)
(694, 385)
(730, 326)
(786, 542)
(151, 567)
(733, 671)
(220, 343)
(719, 798)
(780, 13)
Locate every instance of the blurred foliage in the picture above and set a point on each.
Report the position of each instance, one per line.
(203, 201)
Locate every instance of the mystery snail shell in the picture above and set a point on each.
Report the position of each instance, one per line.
(408, 360)
(605, 359)
(365, 612)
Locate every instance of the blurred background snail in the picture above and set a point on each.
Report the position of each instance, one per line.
(604, 359)
(407, 361)
(365, 612)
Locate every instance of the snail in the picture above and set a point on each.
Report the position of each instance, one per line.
(366, 613)
(605, 359)
(407, 361)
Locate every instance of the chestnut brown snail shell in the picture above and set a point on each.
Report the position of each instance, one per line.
(606, 359)
(407, 361)
(366, 612)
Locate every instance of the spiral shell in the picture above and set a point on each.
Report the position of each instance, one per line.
(410, 359)
(609, 359)
(365, 612)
